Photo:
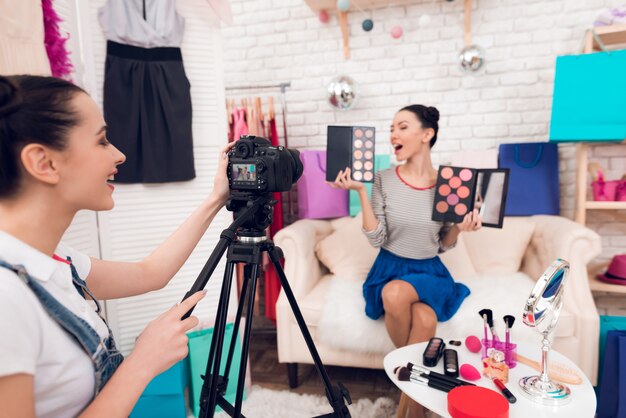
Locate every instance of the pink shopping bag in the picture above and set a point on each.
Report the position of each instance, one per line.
(316, 199)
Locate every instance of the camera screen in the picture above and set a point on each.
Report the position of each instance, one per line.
(244, 172)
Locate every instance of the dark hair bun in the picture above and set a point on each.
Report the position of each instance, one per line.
(10, 97)
(432, 114)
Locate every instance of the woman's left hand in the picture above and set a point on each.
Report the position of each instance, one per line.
(221, 190)
(471, 222)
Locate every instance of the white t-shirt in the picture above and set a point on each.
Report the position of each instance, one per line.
(32, 342)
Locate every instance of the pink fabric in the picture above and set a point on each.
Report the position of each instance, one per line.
(239, 123)
(60, 64)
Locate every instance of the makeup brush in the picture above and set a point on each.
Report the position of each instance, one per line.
(404, 375)
(508, 320)
(487, 316)
(436, 376)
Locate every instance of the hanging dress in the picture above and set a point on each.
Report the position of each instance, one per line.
(146, 100)
(22, 49)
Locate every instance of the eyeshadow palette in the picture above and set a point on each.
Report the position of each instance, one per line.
(433, 352)
(350, 146)
(460, 190)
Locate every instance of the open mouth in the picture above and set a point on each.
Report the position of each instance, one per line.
(397, 147)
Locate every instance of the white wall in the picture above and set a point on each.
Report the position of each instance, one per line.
(510, 101)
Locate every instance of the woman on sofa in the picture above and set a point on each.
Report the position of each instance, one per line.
(408, 283)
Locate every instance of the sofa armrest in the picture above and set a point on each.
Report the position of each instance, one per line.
(298, 241)
(557, 237)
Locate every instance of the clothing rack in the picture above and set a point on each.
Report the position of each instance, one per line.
(283, 104)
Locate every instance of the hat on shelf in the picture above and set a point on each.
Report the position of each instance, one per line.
(616, 273)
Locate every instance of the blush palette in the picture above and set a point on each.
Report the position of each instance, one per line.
(350, 146)
(454, 193)
(460, 190)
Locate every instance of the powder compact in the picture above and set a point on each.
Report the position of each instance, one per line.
(353, 147)
(460, 190)
(433, 352)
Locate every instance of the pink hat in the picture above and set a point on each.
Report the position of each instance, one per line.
(616, 273)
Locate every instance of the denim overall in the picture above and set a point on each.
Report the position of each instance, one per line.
(104, 356)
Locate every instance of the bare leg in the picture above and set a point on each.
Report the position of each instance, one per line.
(398, 296)
(423, 327)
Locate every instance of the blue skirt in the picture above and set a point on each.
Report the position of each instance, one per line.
(430, 278)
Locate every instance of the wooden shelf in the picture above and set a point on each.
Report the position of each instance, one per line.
(614, 35)
(331, 5)
(605, 205)
(596, 267)
(599, 286)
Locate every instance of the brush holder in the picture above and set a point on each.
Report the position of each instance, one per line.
(509, 350)
(487, 344)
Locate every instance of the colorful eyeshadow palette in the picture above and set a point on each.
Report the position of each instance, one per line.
(351, 146)
(460, 190)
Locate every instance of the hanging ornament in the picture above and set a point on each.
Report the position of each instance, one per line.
(396, 32)
(323, 16)
(424, 21)
(472, 57)
(367, 25)
(342, 92)
(343, 5)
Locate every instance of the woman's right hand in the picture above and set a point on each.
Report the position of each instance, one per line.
(164, 340)
(344, 181)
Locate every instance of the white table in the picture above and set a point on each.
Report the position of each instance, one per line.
(582, 404)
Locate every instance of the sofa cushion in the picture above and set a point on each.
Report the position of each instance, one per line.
(346, 252)
(500, 251)
(458, 261)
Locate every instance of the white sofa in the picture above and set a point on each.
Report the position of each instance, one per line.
(499, 266)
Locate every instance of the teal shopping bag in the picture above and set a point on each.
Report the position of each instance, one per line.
(381, 162)
(589, 98)
(199, 345)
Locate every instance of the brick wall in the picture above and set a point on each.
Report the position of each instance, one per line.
(509, 101)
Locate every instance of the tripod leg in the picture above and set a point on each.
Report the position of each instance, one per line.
(215, 354)
(233, 339)
(335, 395)
(254, 275)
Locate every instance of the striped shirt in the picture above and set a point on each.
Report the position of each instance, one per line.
(404, 214)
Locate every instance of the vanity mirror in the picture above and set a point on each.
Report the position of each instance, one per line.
(542, 313)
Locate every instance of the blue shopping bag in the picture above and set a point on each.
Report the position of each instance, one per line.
(612, 396)
(589, 98)
(533, 178)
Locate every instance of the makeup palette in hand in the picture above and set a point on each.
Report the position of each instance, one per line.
(350, 146)
(460, 190)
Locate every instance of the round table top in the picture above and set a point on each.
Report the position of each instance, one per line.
(582, 404)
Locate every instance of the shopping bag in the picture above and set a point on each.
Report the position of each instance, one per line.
(533, 179)
(381, 162)
(589, 97)
(316, 199)
(612, 394)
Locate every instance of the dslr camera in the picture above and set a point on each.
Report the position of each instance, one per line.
(256, 167)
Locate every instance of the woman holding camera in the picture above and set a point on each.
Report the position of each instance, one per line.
(408, 283)
(57, 355)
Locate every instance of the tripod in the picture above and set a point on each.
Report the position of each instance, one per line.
(253, 214)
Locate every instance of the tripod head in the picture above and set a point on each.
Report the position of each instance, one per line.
(253, 213)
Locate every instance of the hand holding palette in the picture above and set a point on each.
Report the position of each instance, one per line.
(353, 147)
(460, 190)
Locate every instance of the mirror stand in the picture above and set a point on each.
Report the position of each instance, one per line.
(541, 388)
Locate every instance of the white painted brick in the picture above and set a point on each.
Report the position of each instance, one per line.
(509, 100)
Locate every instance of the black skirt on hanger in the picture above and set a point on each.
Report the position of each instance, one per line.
(147, 107)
